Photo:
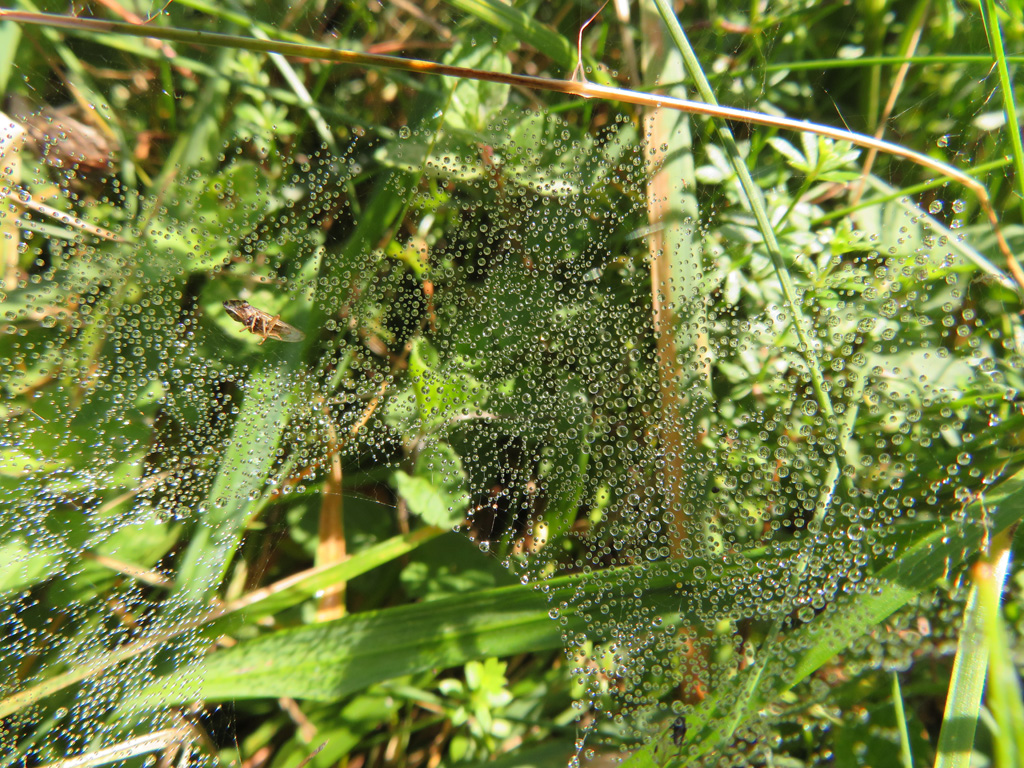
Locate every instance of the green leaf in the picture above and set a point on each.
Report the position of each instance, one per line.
(524, 28)
(442, 395)
(474, 103)
(451, 564)
(327, 661)
(793, 156)
(437, 491)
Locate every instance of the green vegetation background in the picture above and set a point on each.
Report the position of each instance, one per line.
(478, 411)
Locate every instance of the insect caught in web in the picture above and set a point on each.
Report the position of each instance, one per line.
(679, 731)
(261, 323)
(677, 735)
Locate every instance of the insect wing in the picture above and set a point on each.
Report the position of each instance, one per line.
(286, 332)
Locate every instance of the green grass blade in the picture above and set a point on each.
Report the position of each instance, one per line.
(263, 602)
(963, 702)
(916, 569)
(240, 478)
(757, 206)
(1003, 694)
(328, 661)
(10, 37)
(933, 554)
(906, 757)
(995, 41)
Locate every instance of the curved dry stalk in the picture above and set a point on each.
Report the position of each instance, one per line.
(157, 741)
(571, 87)
(11, 134)
(20, 197)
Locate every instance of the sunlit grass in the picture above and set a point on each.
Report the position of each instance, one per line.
(597, 422)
